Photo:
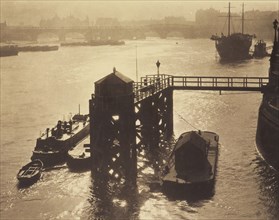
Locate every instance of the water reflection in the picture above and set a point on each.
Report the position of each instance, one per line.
(234, 62)
(268, 180)
(111, 201)
(195, 195)
(56, 166)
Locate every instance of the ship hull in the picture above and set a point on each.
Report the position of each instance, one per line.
(8, 53)
(59, 154)
(79, 158)
(267, 137)
(234, 47)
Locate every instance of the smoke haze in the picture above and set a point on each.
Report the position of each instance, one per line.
(31, 12)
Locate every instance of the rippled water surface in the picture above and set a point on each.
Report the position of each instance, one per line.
(39, 88)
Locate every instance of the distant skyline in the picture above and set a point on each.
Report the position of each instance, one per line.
(30, 12)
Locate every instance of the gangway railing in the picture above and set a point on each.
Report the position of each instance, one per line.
(152, 84)
(219, 83)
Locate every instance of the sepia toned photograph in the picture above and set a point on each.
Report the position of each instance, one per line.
(139, 109)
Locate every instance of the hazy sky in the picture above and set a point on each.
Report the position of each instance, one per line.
(32, 11)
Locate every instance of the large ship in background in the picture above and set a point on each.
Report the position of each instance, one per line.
(267, 137)
(234, 46)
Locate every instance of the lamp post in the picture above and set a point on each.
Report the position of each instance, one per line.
(275, 25)
(158, 66)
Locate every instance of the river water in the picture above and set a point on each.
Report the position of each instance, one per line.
(39, 88)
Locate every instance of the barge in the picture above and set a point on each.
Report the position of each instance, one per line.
(8, 50)
(193, 160)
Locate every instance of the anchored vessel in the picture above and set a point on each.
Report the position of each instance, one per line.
(8, 50)
(260, 49)
(31, 172)
(53, 145)
(234, 46)
(95, 43)
(193, 160)
(34, 48)
(267, 137)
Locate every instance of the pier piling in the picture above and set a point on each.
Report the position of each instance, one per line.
(127, 116)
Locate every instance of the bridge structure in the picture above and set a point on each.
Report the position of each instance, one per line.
(96, 32)
(128, 117)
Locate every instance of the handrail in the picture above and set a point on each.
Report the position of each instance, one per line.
(152, 84)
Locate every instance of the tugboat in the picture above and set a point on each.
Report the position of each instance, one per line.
(52, 147)
(30, 173)
(260, 49)
(267, 137)
(193, 160)
(234, 46)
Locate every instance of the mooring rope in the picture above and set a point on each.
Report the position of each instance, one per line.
(180, 116)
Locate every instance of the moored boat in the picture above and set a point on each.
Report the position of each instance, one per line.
(79, 157)
(8, 50)
(193, 160)
(234, 46)
(31, 172)
(35, 48)
(267, 137)
(94, 43)
(260, 49)
(53, 145)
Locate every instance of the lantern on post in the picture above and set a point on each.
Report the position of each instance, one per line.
(158, 66)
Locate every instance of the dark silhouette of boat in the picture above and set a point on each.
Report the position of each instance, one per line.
(35, 48)
(79, 157)
(31, 172)
(53, 145)
(267, 137)
(193, 160)
(234, 46)
(260, 49)
(8, 50)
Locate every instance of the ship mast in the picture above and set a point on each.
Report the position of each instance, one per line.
(242, 30)
(229, 24)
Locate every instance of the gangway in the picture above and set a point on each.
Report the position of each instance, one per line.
(152, 84)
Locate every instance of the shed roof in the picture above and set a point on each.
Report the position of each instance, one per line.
(114, 77)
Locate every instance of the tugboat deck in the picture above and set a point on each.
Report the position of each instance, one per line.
(76, 127)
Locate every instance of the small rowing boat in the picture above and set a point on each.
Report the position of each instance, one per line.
(31, 172)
